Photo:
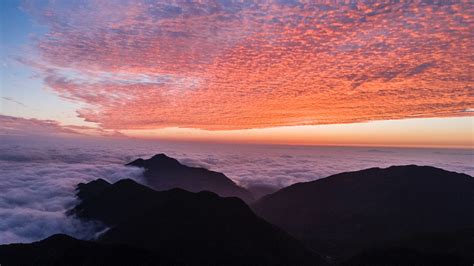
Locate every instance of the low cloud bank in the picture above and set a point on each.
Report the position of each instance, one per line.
(38, 177)
(280, 166)
(36, 190)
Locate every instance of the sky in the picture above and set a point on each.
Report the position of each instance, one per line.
(281, 72)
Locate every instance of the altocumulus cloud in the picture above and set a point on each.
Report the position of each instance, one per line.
(247, 64)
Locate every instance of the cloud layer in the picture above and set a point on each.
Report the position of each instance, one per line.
(243, 64)
(38, 174)
(37, 187)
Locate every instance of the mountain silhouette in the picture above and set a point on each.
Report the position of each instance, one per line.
(187, 228)
(404, 256)
(401, 215)
(164, 173)
(260, 190)
(65, 250)
(417, 206)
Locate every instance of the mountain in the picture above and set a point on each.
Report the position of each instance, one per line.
(164, 173)
(65, 250)
(188, 228)
(347, 213)
(404, 256)
(260, 190)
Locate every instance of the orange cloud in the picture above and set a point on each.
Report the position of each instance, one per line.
(221, 66)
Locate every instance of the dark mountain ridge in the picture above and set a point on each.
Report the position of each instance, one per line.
(349, 212)
(164, 173)
(65, 250)
(400, 215)
(188, 228)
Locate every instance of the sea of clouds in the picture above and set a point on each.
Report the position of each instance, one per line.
(38, 177)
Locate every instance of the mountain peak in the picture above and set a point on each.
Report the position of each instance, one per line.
(158, 160)
(163, 173)
(58, 238)
(161, 156)
(91, 189)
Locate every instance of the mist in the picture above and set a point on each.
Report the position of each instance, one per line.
(38, 176)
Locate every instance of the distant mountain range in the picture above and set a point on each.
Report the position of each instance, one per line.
(401, 215)
(164, 173)
(411, 206)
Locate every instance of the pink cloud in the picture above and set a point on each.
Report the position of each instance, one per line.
(139, 65)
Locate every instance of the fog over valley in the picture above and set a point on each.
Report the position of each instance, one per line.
(38, 176)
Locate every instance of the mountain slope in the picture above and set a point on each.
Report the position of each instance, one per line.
(65, 250)
(404, 256)
(348, 212)
(164, 173)
(189, 228)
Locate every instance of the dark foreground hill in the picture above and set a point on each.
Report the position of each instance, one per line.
(164, 173)
(187, 228)
(404, 256)
(65, 250)
(425, 209)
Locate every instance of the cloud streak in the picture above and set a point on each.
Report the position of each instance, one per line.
(13, 101)
(234, 65)
(24, 127)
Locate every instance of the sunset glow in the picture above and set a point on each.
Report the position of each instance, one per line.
(260, 72)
